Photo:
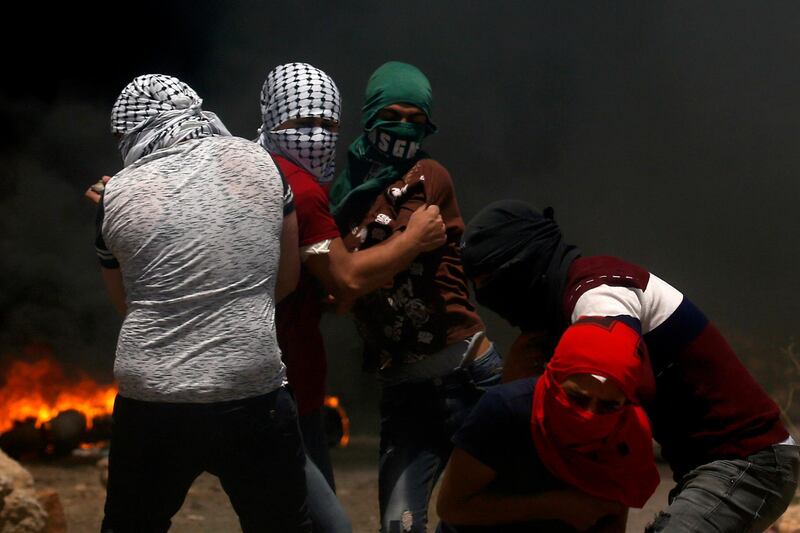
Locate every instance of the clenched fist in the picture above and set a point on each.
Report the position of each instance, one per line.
(426, 228)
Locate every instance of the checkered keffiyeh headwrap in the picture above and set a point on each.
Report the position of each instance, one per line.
(299, 90)
(156, 111)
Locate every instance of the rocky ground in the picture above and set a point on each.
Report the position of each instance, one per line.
(207, 510)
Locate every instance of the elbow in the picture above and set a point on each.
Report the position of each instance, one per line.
(447, 509)
(347, 287)
(351, 289)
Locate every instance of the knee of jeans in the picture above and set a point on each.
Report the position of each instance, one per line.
(659, 523)
(407, 521)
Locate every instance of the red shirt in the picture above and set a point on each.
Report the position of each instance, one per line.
(706, 404)
(298, 315)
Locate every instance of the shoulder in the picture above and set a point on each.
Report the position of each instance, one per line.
(235, 158)
(587, 273)
(230, 144)
(300, 180)
(509, 399)
(291, 172)
(433, 166)
(432, 172)
(500, 419)
(608, 286)
(605, 269)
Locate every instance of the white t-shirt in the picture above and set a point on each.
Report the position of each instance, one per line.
(196, 230)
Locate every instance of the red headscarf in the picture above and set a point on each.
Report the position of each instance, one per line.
(606, 455)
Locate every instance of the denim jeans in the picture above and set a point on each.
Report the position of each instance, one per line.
(324, 508)
(252, 445)
(417, 422)
(736, 496)
(316, 444)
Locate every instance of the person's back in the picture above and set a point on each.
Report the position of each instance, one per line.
(202, 255)
(197, 239)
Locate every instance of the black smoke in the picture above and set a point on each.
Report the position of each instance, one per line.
(663, 132)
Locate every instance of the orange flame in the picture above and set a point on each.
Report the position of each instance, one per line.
(333, 403)
(40, 390)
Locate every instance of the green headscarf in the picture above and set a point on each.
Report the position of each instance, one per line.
(369, 170)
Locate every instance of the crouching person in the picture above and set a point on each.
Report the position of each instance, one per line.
(733, 460)
(568, 451)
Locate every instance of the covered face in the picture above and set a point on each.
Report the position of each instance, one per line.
(517, 260)
(300, 107)
(586, 422)
(155, 111)
(392, 84)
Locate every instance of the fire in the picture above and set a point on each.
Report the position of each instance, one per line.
(40, 390)
(333, 403)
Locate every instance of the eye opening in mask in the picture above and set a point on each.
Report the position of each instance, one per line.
(587, 393)
(402, 113)
(309, 122)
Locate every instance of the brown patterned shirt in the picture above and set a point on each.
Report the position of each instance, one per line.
(427, 307)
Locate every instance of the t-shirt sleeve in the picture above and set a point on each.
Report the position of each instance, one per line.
(485, 433)
(107, 259)
(314, 218)
(288, 197)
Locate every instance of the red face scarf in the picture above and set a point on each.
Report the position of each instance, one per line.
(606, 455)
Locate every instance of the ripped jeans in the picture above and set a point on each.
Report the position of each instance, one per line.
(417, 422)
(736, 496)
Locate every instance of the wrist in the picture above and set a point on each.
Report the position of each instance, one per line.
(410, 243)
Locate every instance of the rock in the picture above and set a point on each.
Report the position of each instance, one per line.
(66, 431)
(56, 520)
(102, 466)
(15, 473)
(24, 439)
(789, 522)
(20, 510)
(5, 489)
(23, 513)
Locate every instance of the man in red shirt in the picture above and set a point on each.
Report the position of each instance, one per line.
(300, 120)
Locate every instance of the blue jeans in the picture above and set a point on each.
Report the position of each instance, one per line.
(417, 422)
(324, 508)
(736, 496)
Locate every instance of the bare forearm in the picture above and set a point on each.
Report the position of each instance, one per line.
(359, 273)
(378, 265)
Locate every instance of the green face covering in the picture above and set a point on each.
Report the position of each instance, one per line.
(397, 140)
(386, 150)
(396, 83)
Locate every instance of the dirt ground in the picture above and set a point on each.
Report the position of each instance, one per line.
(207, 509)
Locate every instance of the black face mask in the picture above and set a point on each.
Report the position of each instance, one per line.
(525, 260)
(518, 300)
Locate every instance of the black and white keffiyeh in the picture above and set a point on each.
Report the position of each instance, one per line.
(156, 111)
(299, 90)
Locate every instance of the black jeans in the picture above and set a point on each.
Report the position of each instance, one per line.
(252, 445)
(735, 495)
